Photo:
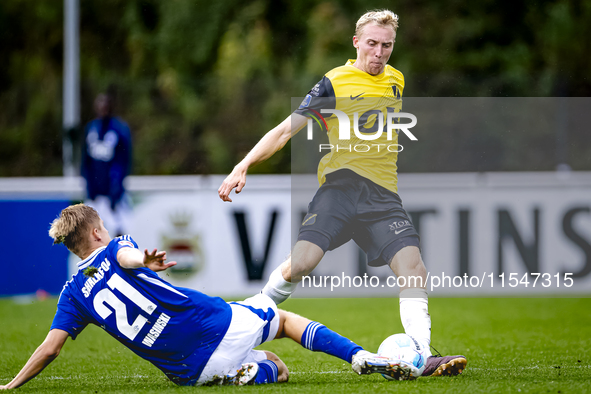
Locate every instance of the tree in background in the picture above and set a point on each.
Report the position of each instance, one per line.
(200, 81)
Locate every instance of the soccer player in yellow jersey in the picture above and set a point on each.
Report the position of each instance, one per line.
(358, 196)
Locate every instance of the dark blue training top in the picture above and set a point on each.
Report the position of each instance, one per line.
(106, 158)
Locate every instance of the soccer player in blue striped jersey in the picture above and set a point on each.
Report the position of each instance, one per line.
(191, 337)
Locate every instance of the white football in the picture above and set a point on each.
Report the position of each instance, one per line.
(406, 349)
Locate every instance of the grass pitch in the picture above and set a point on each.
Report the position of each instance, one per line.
(530, 345)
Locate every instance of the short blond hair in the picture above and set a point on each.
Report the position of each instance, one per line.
(72, 225)
(380, 17)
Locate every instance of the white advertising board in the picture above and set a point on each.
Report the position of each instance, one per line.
(487, 234)
(481, 234)
(225, 249)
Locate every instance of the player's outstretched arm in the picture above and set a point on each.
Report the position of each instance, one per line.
(134, 258)
(41, 358)
(265, 148)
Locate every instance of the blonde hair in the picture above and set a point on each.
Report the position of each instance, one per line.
(380, 17)
(72, 225)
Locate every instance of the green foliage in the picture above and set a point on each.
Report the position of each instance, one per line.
(200, 81)
(90, 271)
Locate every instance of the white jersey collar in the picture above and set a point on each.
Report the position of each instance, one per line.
(87, 261)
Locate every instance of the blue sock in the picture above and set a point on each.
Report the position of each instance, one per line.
(268, 372)
(318, 338)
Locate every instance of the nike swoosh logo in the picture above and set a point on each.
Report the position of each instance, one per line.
(399, 231)
(353, 98)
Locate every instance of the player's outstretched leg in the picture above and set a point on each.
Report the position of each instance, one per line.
(414, 312)
(277, 287)
(317, 337)
(285, 278)
(414, 301)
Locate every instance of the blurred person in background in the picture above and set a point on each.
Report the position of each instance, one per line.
(106, 161)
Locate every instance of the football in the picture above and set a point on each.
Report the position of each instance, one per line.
(406, 349)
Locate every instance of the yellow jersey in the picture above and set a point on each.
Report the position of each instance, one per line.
(367, 149)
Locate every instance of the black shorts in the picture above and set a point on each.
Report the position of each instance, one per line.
(348, 206)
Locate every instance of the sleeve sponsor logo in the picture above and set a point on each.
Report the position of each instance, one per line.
(306, 102)
(315, 90)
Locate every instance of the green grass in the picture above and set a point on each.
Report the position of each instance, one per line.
(530, 345)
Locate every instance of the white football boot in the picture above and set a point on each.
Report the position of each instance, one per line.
(365, 363)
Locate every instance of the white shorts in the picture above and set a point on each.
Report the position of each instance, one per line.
(254, 321)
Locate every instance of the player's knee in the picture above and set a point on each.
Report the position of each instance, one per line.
(285, 318)
(282, 371)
